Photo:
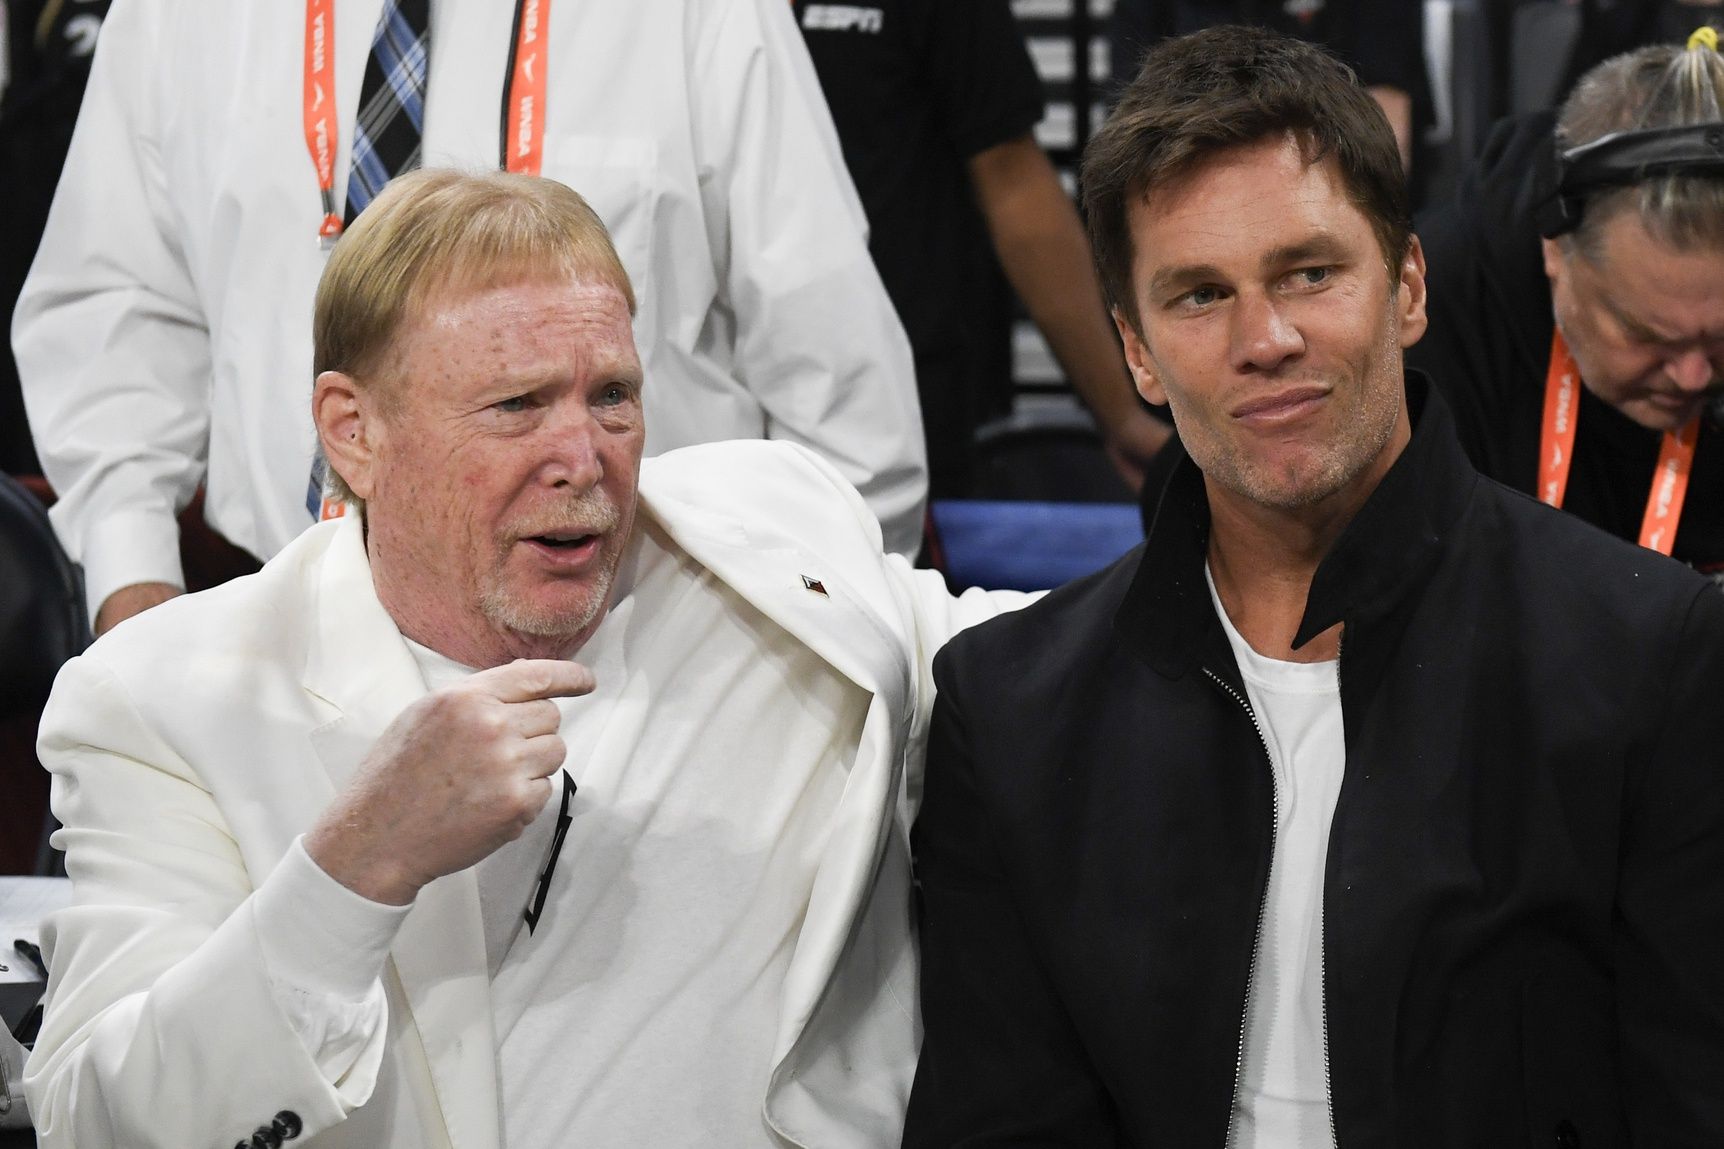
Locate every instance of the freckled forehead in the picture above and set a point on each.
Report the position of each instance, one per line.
(581, 315)
(463, 345)
(582, 302)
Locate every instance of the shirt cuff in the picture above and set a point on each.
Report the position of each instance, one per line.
(317, 935)
(124, 547)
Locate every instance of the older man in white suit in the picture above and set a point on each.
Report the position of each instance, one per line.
(546, 798)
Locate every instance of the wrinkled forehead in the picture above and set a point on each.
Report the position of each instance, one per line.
(439, 289)
(1652, 282)
(509, 329)
(1239, 201)
(1310, 187)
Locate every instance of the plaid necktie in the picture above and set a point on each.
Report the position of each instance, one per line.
(391, 102)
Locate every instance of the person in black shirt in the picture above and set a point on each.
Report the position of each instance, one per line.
(1368, 802)
(42, 78)
(1637, 291)
(1383, 41)
(934, 105)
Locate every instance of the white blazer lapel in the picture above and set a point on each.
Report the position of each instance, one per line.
(361, 665)
(803, 593)
(819, 606)
(359, 662)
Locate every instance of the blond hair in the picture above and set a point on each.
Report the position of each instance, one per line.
(436, 233)
(1661, 86)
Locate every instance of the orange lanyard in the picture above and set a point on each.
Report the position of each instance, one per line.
(1556, 453)
(524, 95)
(523, 141)
(321, 129)
(523, 99)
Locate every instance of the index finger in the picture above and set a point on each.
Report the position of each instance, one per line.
(530, 679)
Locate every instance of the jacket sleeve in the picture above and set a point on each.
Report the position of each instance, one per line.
(159, 986)
(939, 615)
(816, 339)
(1670, 904)
(109, 335)
(1001, 1063)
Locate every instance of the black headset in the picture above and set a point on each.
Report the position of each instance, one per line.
(1622, 159)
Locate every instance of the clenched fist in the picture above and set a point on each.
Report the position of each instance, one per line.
(456, 775)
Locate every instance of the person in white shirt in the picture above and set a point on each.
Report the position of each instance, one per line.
(525, 804)
(163, 336)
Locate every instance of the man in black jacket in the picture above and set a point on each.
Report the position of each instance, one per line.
(1368, 803)
(1631, 274)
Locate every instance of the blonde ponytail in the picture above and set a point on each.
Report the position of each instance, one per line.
(1662, 86)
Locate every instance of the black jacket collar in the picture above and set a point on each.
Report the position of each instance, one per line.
(1382, 556)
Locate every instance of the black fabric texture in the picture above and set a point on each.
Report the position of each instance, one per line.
(1382, 40)
(917, 88)
(1611, 27)
(50, 46)
(1523, 924)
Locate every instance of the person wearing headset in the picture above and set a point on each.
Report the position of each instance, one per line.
(1577, 301)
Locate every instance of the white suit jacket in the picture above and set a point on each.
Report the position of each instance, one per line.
(164, 335)
(190, 746)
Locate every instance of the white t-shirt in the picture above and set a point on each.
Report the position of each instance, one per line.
(642, 1008)
(1282, 1101)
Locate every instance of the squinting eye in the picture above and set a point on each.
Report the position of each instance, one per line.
(511, 405)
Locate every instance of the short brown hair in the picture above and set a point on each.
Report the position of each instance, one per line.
(434, 232)
(1659, 86)
(1228, 87)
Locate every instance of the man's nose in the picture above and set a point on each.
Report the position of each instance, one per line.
(571, 450)
(1691, 371)
(1263, 335)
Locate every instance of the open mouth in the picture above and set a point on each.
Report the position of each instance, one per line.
(568, 550)
(562, 542)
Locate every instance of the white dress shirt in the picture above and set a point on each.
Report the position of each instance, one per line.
(641, 1009)
(164, 335)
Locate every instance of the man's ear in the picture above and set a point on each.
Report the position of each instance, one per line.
(1555, 264)
(1138, 359)
(348, 426)
(1410, 302)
